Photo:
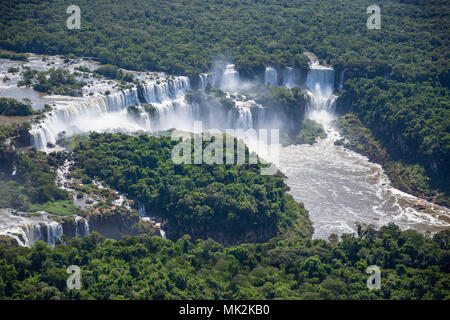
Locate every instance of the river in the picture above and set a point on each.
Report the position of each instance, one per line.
(340, 187)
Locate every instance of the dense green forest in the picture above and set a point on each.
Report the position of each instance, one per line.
(226, 202)
(413, 266)
(404, 175)
(185, 36)
(412, 122)
(12, 107)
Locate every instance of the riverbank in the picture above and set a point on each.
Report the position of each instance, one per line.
(409, 178)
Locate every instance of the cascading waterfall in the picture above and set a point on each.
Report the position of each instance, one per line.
(166, 108)
(97, 114)
(240, 117)
(26, 230)
(205, 79)
(54, 231)
(271, 76)
(319, 84)
(289, 77)
(230, 78)
(83, 224)
(31, 234)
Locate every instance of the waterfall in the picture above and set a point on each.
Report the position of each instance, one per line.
(87, 231)
(240, 118)
(289, 77)
(83, 224)
(31, 234)
(318, 103)
(230, 77)
(28, 233)
(271, 76)
(104, 113)
(141, 210)
(205, 78)
(161, 105)
(319, 84)
(54, 231)
(26, 230)
(320, 79)
(341, 80)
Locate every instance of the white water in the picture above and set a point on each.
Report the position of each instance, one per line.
(54, 231)
(271, 76)
(230, 78)
(109, 113)
(340, 187)
(141, 210)
(289, 77)
(155, 220)
(26, 230)
(205, 78)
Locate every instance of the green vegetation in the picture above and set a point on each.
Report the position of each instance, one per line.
(12, 107)
(413, 266)
(113, 72)
(54, 81)
(228, 203)
(289, 101)
(60, 207)
(57, 81)
(411, 178)
(34, 180)
(211, 98)
(309, 133)
(185, 37)
(13, 70)
(13, 56)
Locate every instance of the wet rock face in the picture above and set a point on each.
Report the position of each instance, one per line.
(8, 242)
(344, 103)
(175, 232)
(300, 77)
(114, 224)
(69, 228)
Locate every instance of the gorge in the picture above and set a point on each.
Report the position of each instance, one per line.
(338, 186)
